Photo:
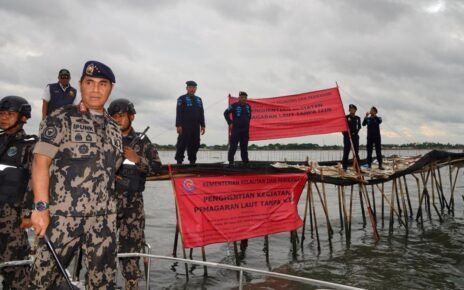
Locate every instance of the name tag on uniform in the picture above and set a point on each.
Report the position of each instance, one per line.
(82, 131)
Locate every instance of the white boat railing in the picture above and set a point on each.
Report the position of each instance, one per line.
(241, 270)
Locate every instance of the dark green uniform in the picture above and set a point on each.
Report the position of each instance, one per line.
(15, 200)
(131, 215)
(86, 150)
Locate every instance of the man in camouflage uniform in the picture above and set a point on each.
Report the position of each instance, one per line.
(73, 177)
(15, 194)
(141, 159)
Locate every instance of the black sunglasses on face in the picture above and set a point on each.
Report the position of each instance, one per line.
(64, 77)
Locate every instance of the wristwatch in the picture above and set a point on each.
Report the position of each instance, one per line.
(40, 206)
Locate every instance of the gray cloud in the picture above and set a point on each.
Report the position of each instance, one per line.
(404, 57)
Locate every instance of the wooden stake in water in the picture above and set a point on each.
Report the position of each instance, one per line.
(406, 189)
(305, 215)
(314, 216)
(205, 269)
(266, 248)
(340, 207)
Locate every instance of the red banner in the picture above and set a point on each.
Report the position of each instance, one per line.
(312, 113)
(231, 208)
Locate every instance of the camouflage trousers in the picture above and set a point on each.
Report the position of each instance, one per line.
(131, 224)
(95, 235)
(13, 246)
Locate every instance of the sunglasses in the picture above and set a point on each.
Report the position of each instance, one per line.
(64, 77)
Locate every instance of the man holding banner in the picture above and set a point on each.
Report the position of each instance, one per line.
(354, 125)
(239, 127)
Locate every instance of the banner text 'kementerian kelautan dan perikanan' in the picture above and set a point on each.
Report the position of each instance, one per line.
(231, 208)
(313, 113)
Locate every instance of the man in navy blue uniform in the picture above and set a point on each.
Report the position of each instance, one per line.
(59, 94)
(239, 127)
(190, 123)
(354, 125)
(372, 121)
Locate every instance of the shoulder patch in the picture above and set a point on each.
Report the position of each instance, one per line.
(49, 133)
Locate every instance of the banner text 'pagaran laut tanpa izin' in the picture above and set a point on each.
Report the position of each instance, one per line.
(231, 208)
(312, 113)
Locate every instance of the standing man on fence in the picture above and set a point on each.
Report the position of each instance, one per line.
(73, 178)
(190, 123)
(239, 127)
(59, 94)
(15, 190)
(141, 160)
(354, 125)
(372, 121)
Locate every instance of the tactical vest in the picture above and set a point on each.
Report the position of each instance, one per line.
(191, 108)
(14, 178)
(241, 116)
(132, 179)
(60, 98)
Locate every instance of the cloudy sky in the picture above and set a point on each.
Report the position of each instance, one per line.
(405, 57)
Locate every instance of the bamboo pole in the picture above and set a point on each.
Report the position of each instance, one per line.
(329, 226)
(340, 207)
(453, 188)
(392, 208)
(326, 205)
(383, 204)
(369, 211)
(351, 207)
(432, 182)
(406, 189)
(390, 204)
(305, 215)
(362, 206)
(237, 257)
(266, 249)
(419, 198)
(373, 203)
(404, 206)
(345, 215)
(442, 192)
(315, 217)
(205, 269)
(397, 197)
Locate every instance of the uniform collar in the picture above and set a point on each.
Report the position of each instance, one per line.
(62, 87)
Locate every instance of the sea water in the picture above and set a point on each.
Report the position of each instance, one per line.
(431, 257)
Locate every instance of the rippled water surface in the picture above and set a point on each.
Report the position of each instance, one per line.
(428, 258)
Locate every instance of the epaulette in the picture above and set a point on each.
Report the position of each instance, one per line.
(65, 108)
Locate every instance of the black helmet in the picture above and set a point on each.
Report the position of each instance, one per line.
(16, 104)
(121, 106)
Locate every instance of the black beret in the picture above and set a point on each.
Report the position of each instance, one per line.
(97, 69)
(63, 71)
(242, 93)
(191, 83)
(351, 106)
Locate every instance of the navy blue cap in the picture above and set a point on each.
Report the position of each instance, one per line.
(242, 93)
(63, 71)
(351, 106)
(191, 83)
(96, 69)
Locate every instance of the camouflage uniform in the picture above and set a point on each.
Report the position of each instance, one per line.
(86, 150)
(131, 216)
(14, 244)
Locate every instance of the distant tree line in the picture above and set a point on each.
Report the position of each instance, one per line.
(311, 146)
